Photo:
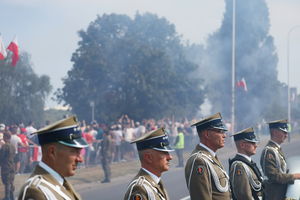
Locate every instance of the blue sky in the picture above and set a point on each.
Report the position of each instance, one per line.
(47, 29)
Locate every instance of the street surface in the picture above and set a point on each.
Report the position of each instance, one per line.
(173, 179)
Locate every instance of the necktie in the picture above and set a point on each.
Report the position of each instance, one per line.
(68, 187)
(162, 188)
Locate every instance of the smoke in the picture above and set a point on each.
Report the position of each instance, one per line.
(256, 61)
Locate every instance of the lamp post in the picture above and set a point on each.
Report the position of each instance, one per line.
(288, 73)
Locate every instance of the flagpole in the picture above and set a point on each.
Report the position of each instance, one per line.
(288, 76)
(233, 69)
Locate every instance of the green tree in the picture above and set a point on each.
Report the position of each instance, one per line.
(131, 66)
(22, 92)
(256, 61)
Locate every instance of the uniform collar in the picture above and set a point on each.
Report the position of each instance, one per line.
(153, 176)
(245, 156)
(53, 173)
(275, 143)
(208, 149)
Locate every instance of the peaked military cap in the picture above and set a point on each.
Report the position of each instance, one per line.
(213, 121)
(246, 134)
(157, 140)
(65, 131)
(279, 124)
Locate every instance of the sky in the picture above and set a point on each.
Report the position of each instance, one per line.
(48, 29)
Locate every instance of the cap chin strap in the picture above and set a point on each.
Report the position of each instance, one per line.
(164, 150)
(76, 145)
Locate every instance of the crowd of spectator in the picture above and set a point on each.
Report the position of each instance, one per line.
(121, 133)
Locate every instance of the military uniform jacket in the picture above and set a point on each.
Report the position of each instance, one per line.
(42, 186)
(143, 187)
(205, 176)
(7, 155)
(245, 178)
(275, 169)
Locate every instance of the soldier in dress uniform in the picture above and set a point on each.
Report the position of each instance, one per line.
(106, 155)
(61, 144)
(273, 163)
(154, 153)
(205, 175)
(7, 155)
(245, 177)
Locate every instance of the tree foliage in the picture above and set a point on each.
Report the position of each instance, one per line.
(256, 61)
(132, 66)
(22, 92)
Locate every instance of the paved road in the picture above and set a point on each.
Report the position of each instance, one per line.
(174, 179)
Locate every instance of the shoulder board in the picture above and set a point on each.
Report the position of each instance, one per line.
(34, 181)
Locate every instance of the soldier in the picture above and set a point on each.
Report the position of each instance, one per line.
(205, 175)
(153, 149)
(106, 155)
(274, 164)
(61, 144)
(7, 155)
(245, 177)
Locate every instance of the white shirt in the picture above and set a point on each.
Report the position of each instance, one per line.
(53, 173)
(15, 140)
(153, 176)
(208, 149)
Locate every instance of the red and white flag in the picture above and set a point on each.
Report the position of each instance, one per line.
(3, 53)
(242, 83)
(14, 48)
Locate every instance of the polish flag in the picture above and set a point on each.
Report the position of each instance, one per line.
(242, 83)
(3, 53)
(14, 48)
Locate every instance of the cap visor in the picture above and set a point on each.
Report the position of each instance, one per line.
(254, 140)
(77, 143)
(219, 128)
(165, 149)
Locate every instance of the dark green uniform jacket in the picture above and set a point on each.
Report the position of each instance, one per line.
(245, 178)
(143, 187)
(43, 186)
(205, 176)
(274, 166)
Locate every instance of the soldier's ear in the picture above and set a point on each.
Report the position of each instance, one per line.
(148, 157)
(52, 151)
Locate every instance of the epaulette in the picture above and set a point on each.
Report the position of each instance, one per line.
(140, 181)
(34, 181)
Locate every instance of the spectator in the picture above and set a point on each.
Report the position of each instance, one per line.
(2, 128)
(30, 129)
(179, 146)
(7, 155)
(23, 151)
(16, 141)
(118, 137)
(129, 150)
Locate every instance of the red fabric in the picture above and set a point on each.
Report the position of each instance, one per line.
(24, 141)
(88, 137)
(35, 153)
(242, 84)
(13, 47)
